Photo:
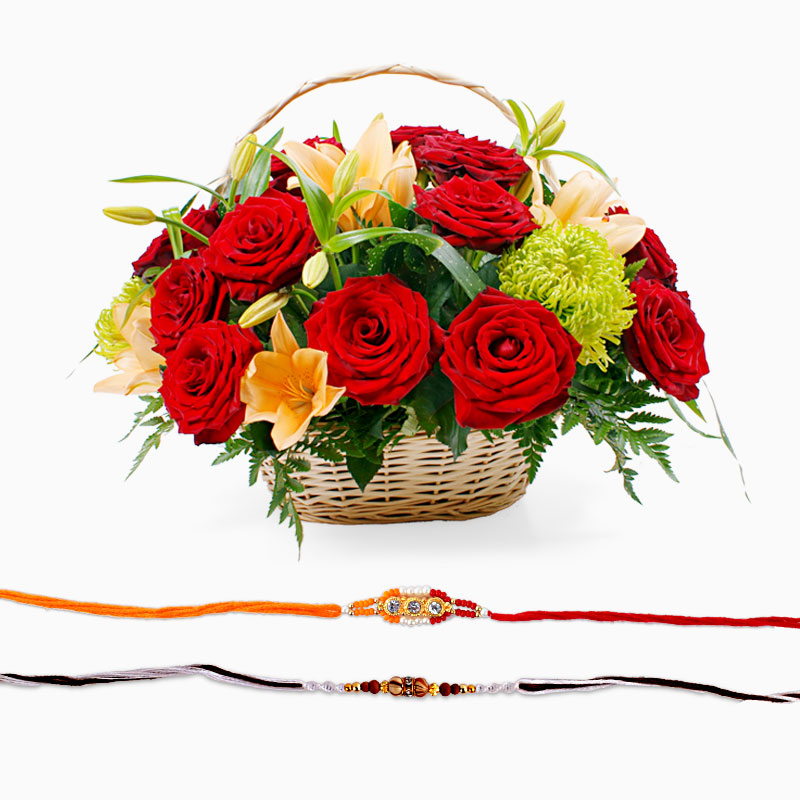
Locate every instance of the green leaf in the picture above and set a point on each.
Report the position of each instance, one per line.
(165, 179)
(427, 242)
(632, 269)
(336, 134)
(400, 214)
(725, 438)
(450, 433)
(692, 404)
(522, 124)
(343, 241)
(188, 204)
(343, 203)
(363, 470)
(674, 405)
(256, 181)
(589, 162)
(320, 210)
(461, 271)
(173, 232)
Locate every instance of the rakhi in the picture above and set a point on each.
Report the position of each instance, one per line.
(407, 605)
(406, 687)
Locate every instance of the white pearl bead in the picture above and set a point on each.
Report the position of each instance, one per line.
(426, 590)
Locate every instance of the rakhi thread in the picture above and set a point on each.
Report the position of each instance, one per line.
(407, 605)
(406, 687)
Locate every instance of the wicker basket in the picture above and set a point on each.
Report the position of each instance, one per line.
(418, 481)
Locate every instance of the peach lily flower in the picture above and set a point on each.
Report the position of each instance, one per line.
(139, 367)
(584, 200)
(287, 386)
(379, 167)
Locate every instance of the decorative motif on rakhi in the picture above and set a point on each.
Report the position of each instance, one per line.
(415, 605)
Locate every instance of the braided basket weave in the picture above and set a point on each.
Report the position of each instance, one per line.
(419, 479)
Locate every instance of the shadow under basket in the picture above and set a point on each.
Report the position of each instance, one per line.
(418, 481)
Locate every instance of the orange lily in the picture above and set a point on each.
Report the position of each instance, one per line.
(379, 167)
(139, 366)
(287, 386)
(584, 200)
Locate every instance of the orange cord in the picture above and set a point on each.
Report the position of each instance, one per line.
(173, 612)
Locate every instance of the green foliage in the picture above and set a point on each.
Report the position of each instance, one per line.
(255, 442)
(434, 411)
(356, 434)
(534, 438)
(610, 406)
(256, 181)
(153, 415)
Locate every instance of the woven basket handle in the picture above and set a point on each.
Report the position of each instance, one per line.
(392, 69)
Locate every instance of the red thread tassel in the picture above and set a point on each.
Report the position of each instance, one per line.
(664, 619)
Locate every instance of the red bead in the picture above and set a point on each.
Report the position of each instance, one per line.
(364, 686)
(374, 687)
(444, 689)
(455, 688)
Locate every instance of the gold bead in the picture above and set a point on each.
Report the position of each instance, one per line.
(471, 689)
(463, 688)
(356, 687)
(384, 687)
(433, 689)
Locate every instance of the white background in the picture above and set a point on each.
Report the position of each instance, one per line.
(693, 107)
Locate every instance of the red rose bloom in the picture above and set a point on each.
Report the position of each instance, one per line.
(159, 253)
(665, 342)
(280, 173)
(262, 244)
(379, 338)
(201, 382)
(185, 295)
(658, 265)
(414, 134)
(450, 154)
(476, 214)
(509, 360)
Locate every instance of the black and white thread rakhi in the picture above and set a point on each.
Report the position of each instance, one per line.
(412, 687)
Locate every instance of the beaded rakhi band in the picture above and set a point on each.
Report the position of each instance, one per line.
(404, 687)
(407, 605)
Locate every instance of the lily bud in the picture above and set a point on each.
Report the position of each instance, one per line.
(524, 187)
(315, 270)
(133, 215)
(551, 116)
(243, 156)
(345, 174)
(264, 308)
(552, 134)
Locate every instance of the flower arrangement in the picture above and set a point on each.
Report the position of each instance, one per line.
(332, 300)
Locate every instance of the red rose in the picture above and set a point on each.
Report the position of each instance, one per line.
(658, 265)
(476, 214)
(665, 342)
(414, 134)
(262, 244)
(280, 173)
(450, 154)
(159, 253)
(185, 295)
(509, 360)
(201, 382)
(379, 338)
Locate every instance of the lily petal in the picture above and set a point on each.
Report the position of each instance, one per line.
(283, 340)
(291, 424)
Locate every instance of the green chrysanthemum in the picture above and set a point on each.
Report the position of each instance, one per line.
(110, 341)
(571, 270)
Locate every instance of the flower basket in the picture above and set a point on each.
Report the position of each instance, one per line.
(398, 330)
(419, 481)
